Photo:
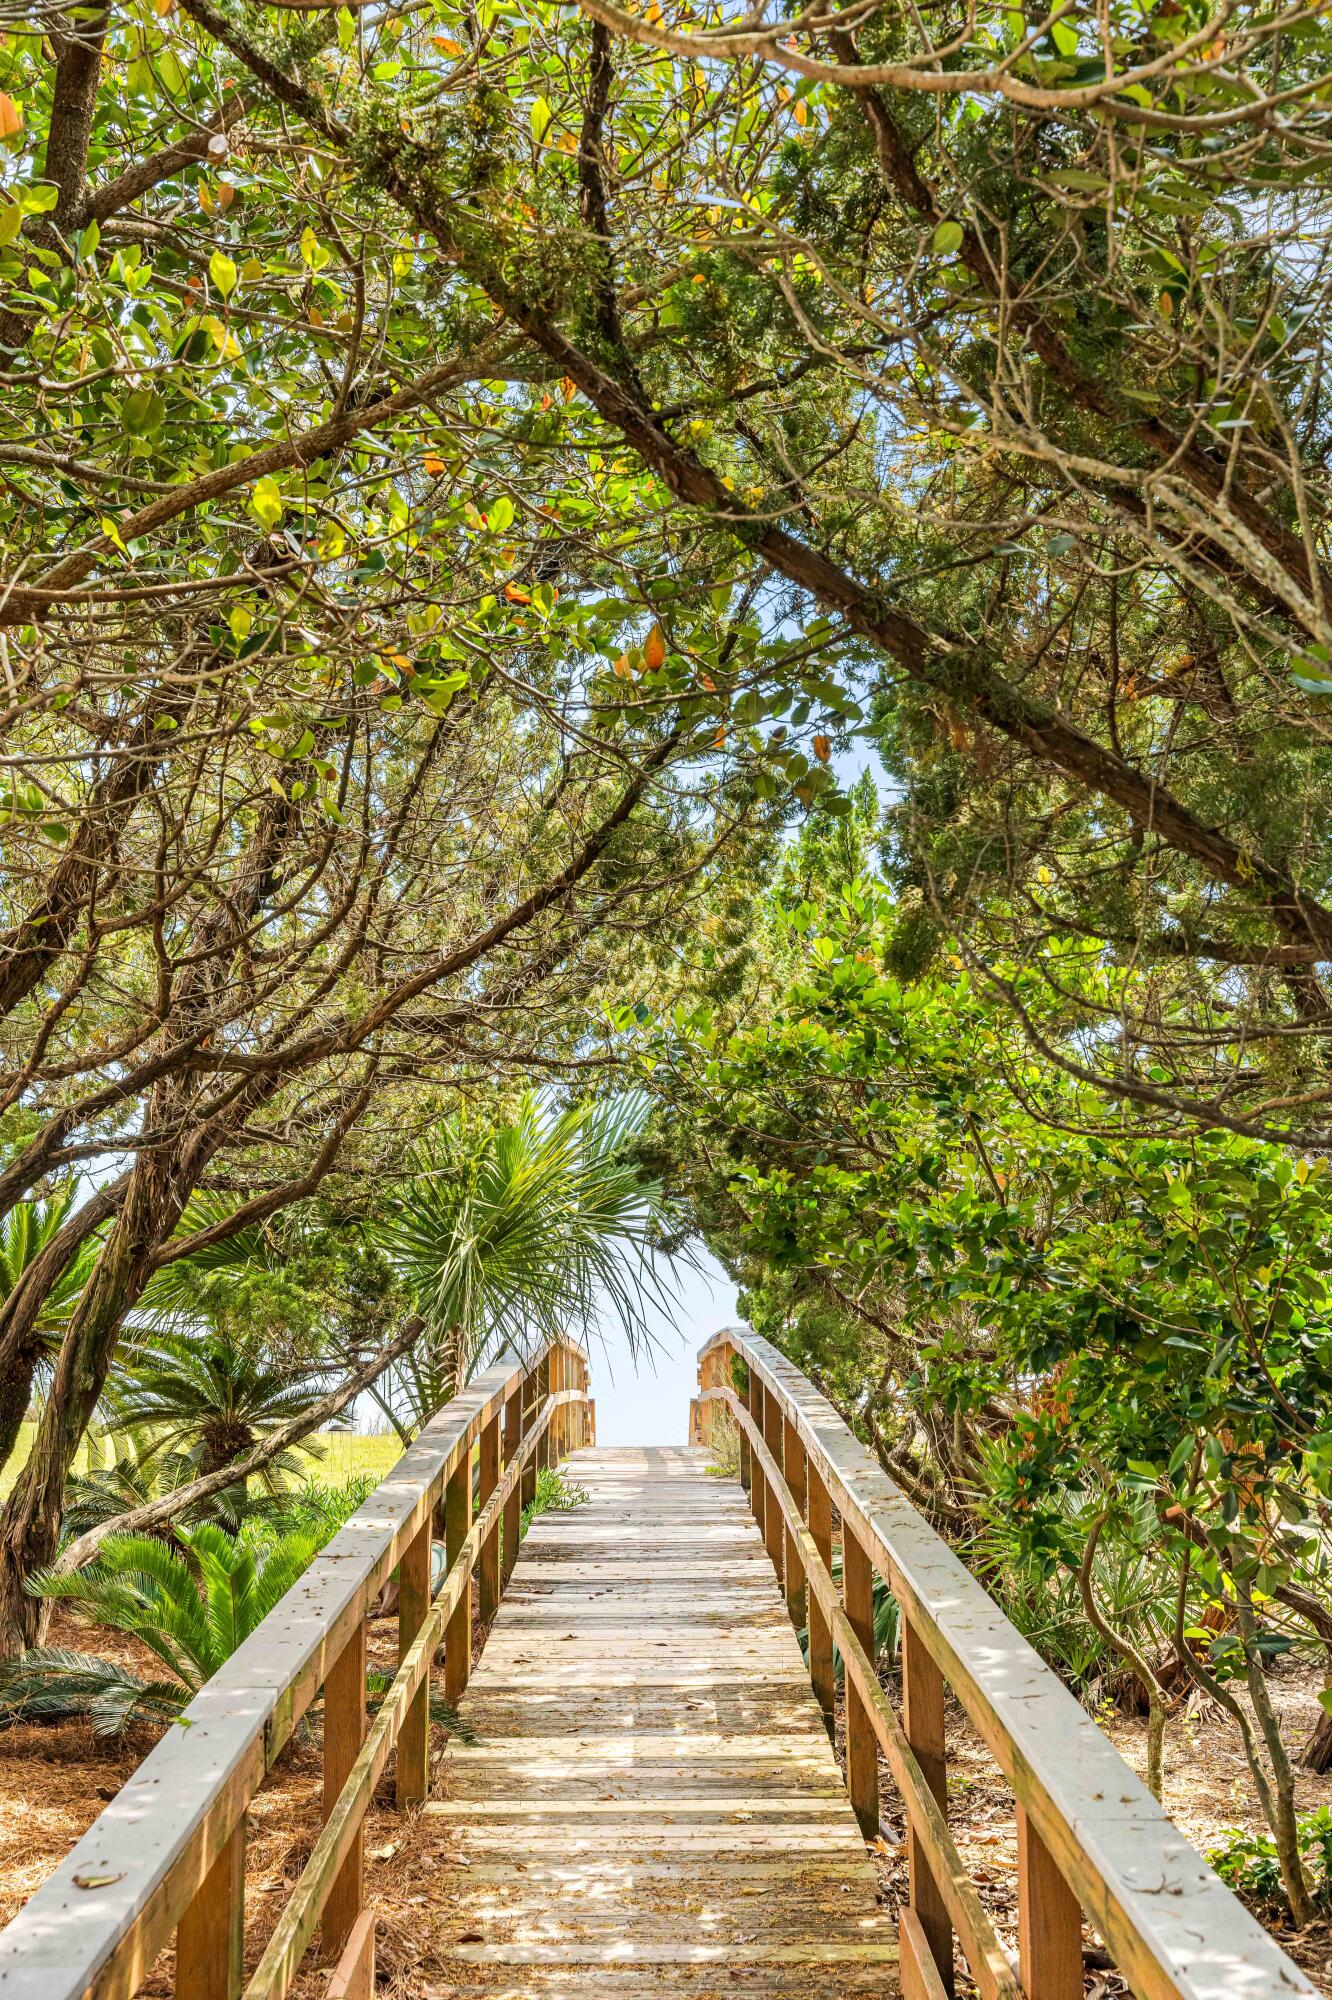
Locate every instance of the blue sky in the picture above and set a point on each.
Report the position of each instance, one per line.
(648, 1403)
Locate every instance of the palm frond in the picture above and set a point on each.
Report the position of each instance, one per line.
(54, 1684)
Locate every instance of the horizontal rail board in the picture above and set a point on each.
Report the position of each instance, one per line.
(94, 1927)
(1174, 1929)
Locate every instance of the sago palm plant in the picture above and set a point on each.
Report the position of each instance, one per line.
(191, 1605)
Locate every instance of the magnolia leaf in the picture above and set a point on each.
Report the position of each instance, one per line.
(948, 239)
(223, 273)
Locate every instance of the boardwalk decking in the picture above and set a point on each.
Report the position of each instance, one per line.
(652, 1805)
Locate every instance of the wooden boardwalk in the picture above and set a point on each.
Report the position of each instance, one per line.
(652, 1805)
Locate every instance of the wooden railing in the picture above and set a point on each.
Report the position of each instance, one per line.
(168, 1854)
(1090, 1837)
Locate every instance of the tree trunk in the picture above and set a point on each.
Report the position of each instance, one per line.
(30, 1518)
(1316, 1754)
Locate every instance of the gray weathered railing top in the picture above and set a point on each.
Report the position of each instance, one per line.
(1174, 1929)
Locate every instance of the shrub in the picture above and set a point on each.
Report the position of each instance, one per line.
(1247, 1863)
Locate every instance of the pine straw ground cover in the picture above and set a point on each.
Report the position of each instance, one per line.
(55, 1780)
(1208, 1793)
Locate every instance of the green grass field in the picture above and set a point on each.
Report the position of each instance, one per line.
(341, 1456)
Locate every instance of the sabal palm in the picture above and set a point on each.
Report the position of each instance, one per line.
(191, 1605)
(510, 1236)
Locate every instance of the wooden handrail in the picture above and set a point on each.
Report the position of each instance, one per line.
(1091, 1838)
(169, 1849)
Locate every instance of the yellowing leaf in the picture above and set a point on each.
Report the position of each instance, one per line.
(654, 652)
(541, 116)
(822, 749)
(11, 221)
(434, 466)
(266, 501)
(446, 45)
(11, 116)
(223, 273)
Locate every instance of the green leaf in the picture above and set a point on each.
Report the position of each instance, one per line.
(11, 221)
(143, 410)
(948, 239)
(499, 518)
(542, 113)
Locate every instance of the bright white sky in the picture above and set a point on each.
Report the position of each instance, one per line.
(649, 1403)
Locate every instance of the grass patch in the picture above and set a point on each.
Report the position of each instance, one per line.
(345, 1456)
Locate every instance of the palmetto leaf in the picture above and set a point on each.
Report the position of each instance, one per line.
(513, 1236)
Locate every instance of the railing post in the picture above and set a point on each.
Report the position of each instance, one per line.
(793, 1461)
(1049, 1922)
(774, 1528)
(818, 1513)
(923, 1724)
(210, 1937)
(746, 1470)
(344, 1733)
(457, 1522)
(862, 1745)
(758, 1485)
(545, 1442)
(488, 1562)
(530, 1393)
(513, 1505)
(413, 1777)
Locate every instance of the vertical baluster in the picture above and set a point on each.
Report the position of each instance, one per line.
(488, 1562)
(413, 1778)
(818, 1514)
(543, 1392)
(758, 1485)
(210, 1937)
(923, 1722)
(746, 1470)
(862, 1749)
(530, 1393)
(344, 1733)
(774, 1527)
(513, 1437)
(793, 1460)
(457, 1522)
(1049, 1922)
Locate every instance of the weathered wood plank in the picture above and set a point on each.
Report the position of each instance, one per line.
(653, 1751)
